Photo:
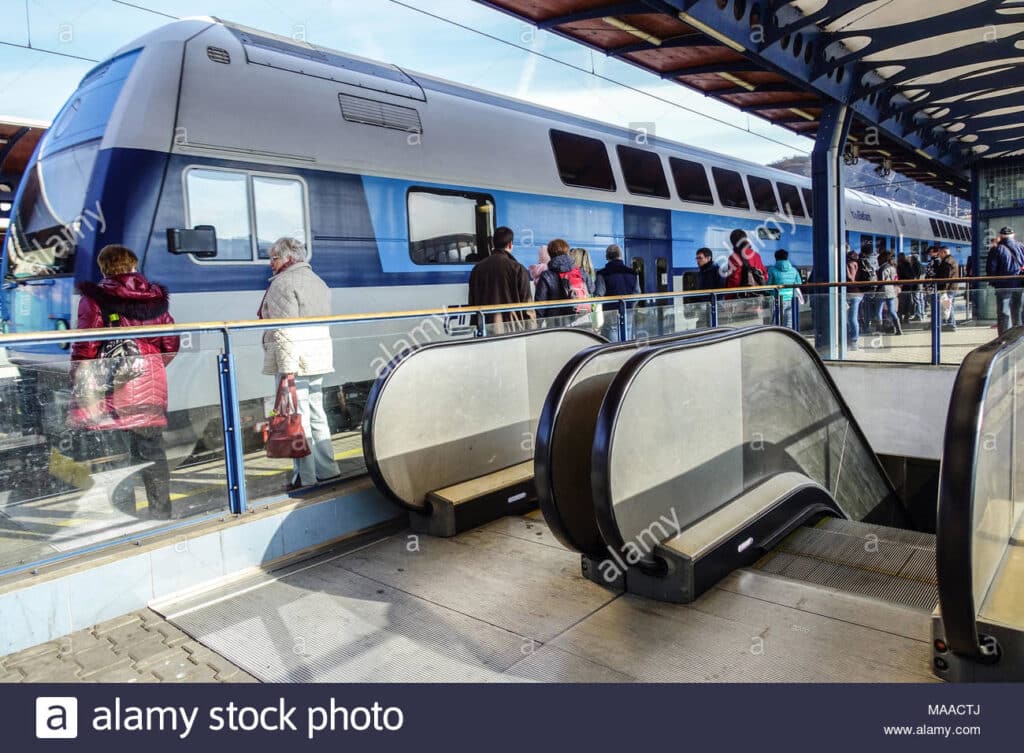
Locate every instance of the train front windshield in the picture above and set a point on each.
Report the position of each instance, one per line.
(52, 211)
(51, 214)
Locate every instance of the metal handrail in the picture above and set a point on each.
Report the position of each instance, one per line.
(155, 330)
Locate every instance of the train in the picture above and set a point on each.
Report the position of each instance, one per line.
(206, 129)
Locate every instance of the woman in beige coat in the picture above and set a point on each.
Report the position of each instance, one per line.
(307, 353)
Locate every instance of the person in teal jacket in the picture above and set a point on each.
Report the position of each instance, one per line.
(784, 273)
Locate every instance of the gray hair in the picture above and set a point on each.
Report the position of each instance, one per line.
(290, 248)
(613, 252)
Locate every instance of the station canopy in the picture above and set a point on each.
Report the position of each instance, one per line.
(935, 85)
(18, 139)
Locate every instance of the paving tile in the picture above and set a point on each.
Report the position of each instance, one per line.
(219, 664)
(118, 622)
(11, 677)
(28, 654)
(55, 677)
(172, 635)
(120, 674)
(131, 634)
(150, 653)
(188, 673)
(42, 666)
(77, 642)
(177, 668)
(99, 659)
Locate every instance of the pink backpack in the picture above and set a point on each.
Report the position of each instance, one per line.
(574, 287)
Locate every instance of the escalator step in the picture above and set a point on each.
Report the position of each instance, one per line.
(873, 561)
(884, 533)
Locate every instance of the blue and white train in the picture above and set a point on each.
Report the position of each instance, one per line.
(395, 179)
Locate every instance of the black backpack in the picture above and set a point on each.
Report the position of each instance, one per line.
(866, 273)
(124, 360)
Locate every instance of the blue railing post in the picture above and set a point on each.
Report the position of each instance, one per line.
(936, 327)
(794, 304)
(713, 311)
(234, 461)
(481, 325)
(622, 321)
(776, 307)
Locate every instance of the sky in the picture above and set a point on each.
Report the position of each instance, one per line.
(468, 43)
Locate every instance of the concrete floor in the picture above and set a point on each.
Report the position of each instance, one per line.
(506, 603)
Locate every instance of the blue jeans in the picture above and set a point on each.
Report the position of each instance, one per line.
(890, 304)
(1008, 308)
(852, 317)
(786, 312)
(319, 464)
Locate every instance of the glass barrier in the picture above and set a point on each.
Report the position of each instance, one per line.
(873, 333)
(981, 501)
(998, 499)
(746, 310)
(348, 357)
(92, 454)
(967, 316)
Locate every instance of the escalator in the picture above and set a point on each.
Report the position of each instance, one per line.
(735, 452)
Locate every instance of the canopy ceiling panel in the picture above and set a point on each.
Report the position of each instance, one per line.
(935, 84)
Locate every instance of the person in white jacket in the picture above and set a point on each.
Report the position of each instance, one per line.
(307, 353)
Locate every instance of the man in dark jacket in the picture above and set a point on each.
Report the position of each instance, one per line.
(615, 279)
(129, 408)
(946, 269)
(709, 276)
(1007, 258)
(501, 280)
(904, 271)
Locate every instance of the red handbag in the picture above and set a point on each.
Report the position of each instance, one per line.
(284, 434)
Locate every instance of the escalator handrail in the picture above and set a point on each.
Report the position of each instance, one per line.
(373, 468)
(544, 467)
(954, 540)
(619, 388)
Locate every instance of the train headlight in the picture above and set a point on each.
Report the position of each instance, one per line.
(61, 325)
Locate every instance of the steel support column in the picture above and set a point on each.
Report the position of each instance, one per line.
(829, 228)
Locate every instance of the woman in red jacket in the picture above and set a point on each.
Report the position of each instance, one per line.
(135, 408)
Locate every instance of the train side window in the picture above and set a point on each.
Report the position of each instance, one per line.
(691, 181)
(730, 188)
(642, 171)
(221, 198)
(280, 211)
(790, 198)
(807, 201)
(582, 161)
(935, 226)
(449, 227)
(763, 194)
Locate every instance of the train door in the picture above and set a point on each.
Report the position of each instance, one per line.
(648, 240)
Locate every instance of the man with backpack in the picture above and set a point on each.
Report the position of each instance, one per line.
(562, 281)
(867, 271)
(1007, 259)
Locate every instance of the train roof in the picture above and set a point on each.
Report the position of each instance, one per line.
(181, 31)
